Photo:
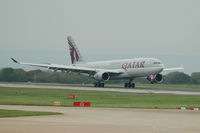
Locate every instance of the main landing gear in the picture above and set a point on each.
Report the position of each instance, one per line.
(126, 85)
(129, 84)
(98, 84)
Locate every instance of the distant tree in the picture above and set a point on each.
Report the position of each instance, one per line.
(177, 78)
(6, 74)
(195, 77)
(19, 75)
(10, 74)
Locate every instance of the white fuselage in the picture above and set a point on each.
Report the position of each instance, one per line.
(130, 68)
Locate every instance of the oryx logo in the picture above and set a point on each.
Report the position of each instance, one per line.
(73, 53)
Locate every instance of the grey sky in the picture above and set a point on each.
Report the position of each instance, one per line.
(37, 30)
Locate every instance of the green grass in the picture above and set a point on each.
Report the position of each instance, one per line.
(17, 113)
(39, 96)
(161, 86)
(166, 86)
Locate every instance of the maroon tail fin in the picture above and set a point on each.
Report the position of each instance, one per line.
(74, 52)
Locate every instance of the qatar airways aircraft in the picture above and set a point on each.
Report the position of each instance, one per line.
(103, 71)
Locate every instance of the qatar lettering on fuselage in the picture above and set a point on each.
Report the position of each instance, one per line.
(128, 65)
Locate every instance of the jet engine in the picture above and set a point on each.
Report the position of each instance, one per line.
(102, 76)
(155, 78)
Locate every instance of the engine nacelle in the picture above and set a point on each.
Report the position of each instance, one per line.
(155, 78)
(102, 76)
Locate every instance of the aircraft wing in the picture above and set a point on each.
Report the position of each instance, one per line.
(90, 71)
(173, 69)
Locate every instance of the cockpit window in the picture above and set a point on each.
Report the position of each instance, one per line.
(156, 63)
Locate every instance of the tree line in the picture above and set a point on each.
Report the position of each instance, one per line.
(20, 75)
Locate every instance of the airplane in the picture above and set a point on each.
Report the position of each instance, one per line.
(102, 71)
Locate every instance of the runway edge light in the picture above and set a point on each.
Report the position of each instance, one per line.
(56, 103)
(181, 108)
(71, 96)
(192, 108)
(81, 104)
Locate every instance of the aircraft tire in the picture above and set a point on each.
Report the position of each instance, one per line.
(95, 84)
(98, 84)
(125, 85)
(101, 84)
(129, 85)
(133, 85)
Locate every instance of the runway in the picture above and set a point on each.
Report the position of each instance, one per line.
(99, 120)
(112, 89)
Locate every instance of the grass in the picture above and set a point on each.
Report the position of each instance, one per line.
(161, 86)
(42, 96)
(167, 86)
(17, 113)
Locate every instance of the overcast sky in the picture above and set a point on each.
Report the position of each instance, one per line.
(37, 30)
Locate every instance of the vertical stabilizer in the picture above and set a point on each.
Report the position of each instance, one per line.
(74, 52)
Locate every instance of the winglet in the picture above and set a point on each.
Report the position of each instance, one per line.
(14, 60)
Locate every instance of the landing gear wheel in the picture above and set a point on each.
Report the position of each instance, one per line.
(129, 85)
(95, 84)
(101, 84)
(125, 85)
(98, 84)
(133, 85)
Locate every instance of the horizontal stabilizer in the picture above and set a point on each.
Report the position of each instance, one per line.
(174, 69)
